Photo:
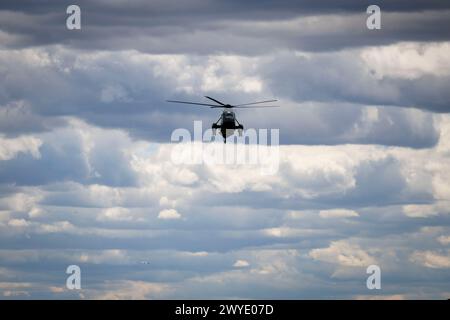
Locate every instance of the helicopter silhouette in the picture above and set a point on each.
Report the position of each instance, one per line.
(227, 123)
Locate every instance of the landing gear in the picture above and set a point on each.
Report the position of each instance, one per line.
(240, 129)
(216, 126)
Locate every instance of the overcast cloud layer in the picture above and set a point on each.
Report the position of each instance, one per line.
(87, 175)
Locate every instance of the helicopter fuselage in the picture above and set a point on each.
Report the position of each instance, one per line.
(227, 124)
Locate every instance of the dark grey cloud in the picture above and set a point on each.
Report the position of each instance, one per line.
(197, 26)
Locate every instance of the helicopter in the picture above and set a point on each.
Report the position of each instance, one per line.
(227, 123)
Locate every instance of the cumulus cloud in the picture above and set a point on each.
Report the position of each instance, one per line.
(338, 213)
(18, 223)
(431, 259)
(241, 264)
(117, 214)
(408, 60)
(10, 148)
(420, 211)
(87, 167)
(344, 254)
(445, 240)
(130, 290)
(169, 214)
(308, 116)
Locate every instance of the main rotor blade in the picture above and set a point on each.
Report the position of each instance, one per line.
(215, 100)
(245, 107)
(254, 107)
(199, 104)
(246, 104)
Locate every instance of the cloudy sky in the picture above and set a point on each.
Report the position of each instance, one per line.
(87, 175)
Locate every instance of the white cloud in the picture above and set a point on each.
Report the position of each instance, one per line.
(196, 254)
(338, 213)
(343, 253)
(22, 201)
(285, 232)
(129, 290)
(169, 214)
(56, 289)
(36, 212)
(409, 60)
(10, 147)
(431, 259)
(116, 214)
(444, 240)
(241, 264)
(112, 256)
(419, 211)
(18, 223)
(57, 227)
(426, 210)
